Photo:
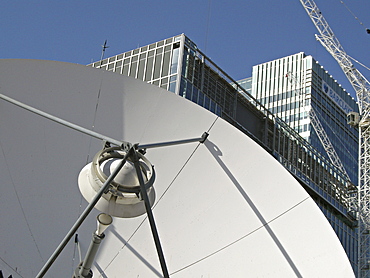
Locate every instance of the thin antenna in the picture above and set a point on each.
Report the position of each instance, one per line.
(207, 26)
(367, 29)
(104, 46)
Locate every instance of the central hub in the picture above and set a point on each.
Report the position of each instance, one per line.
(123, 198)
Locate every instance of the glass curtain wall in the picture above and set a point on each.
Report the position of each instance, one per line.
(292, 86)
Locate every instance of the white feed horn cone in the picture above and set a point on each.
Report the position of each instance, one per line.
(104, 220)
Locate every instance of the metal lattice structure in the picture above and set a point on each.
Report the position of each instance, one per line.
(362, 88)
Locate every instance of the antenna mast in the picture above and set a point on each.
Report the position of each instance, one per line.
(104, 46)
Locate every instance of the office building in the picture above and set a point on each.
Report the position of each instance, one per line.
(293, 86)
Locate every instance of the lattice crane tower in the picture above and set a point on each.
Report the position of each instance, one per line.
(362, 88)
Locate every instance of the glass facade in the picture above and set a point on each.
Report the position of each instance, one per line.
(292, 86)
(265, 106)
(157, 63)
(175, 65)
(347, 234)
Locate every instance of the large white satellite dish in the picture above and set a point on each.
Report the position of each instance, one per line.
(224, 208)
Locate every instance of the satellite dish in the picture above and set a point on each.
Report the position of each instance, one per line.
(222, 208)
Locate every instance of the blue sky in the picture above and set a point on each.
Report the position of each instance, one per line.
(235, 34)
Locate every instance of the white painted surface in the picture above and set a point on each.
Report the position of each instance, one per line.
(225, 208)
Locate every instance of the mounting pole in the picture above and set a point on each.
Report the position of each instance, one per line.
(84, 268)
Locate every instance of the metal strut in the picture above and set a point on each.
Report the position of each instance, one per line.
(149, 213)
(80, 220)
(131, 152)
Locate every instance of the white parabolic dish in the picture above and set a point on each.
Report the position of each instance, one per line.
(224, 208)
